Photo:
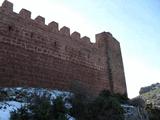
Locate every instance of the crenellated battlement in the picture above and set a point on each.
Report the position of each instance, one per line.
(35, 54)
(51, 27)
(7, 6)
(25, 14)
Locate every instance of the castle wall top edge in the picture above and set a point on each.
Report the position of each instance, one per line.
(7, 7)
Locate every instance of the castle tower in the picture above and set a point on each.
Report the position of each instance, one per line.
(114, 64)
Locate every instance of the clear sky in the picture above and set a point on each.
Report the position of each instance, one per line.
(134, 23)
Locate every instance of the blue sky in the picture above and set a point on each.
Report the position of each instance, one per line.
(134, 23)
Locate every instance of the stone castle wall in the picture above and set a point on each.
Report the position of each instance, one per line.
(38, 55)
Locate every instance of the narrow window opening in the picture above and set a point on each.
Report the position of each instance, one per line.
(55, 44)
(31, 35)
(10, 28)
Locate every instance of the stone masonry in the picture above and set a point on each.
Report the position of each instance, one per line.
(34, 54)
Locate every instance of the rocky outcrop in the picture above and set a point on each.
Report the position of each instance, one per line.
(134, 113)
(149, 88)
(151, 95)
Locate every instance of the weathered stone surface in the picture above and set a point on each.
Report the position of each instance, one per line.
(38, 55)
(149, 88)
(151, 95)
(134, 113)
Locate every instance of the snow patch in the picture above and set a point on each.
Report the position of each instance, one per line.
(7, 107)
(17, 97)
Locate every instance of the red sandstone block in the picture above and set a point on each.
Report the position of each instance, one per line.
(65, 31)
(85, 39)
(53, 26)
(76, 35)
(25, 13)
(40, 20)
(7, 6)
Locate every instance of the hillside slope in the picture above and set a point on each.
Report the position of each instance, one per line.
(151, 95)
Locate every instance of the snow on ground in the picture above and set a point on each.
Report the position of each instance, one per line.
(18, 92)
(70, 118)
(7, 107)
(17, 97)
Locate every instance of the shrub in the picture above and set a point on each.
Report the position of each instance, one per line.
(138, 102)
(20, 114)
(3, 95)
(105, 106)
(59, 109)
(121, 98)
(41, 108)
(154, 113)
(79, 106)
